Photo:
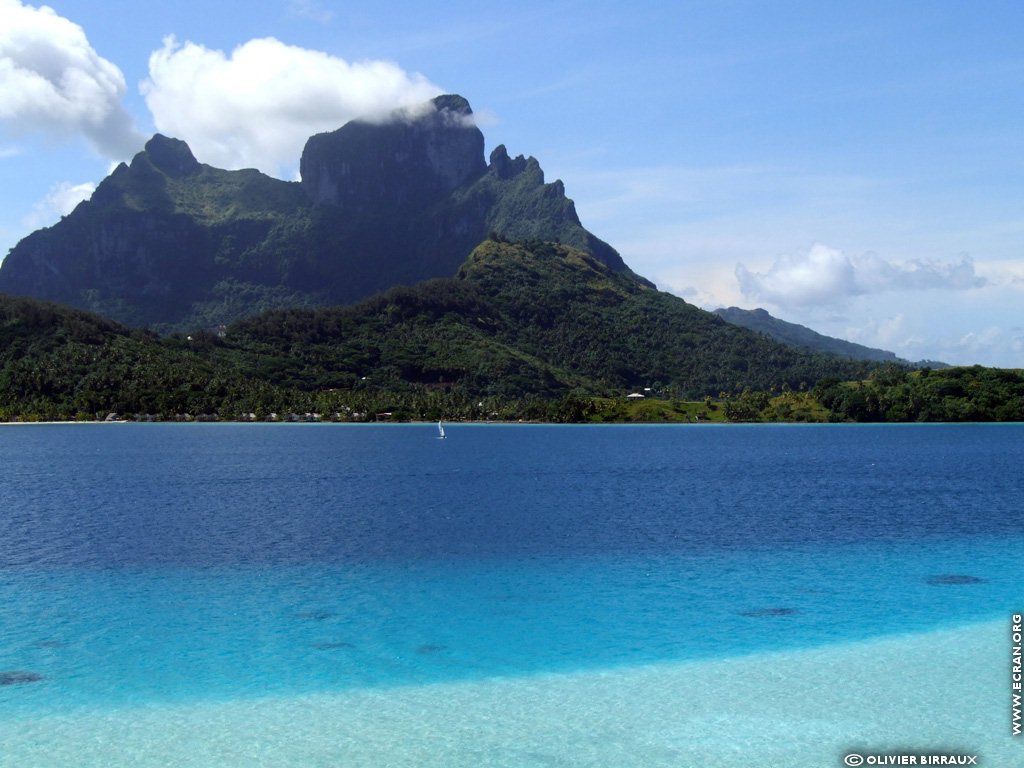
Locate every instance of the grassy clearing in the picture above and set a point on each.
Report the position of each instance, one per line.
(654, 411)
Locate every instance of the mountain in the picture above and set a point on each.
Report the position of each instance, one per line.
(170, 243)
(518, 321)
(521, 319)
(802, 337)
(523, 330)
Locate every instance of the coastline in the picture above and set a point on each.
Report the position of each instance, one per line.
(57, 423)
(519, 422)
(945, 691)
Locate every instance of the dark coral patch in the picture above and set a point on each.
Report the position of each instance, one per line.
(760, 612)
(17, 677)
(953, 579)
(428, 649)
(330, 646)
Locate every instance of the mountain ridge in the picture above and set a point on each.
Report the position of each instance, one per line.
(793, 334)
(535, 331)
(170, 243)
(802, 337)
(520, 323)
(526, 318)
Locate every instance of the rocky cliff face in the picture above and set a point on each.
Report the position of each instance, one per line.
(171, 243)
(172, 157)
(412, 158)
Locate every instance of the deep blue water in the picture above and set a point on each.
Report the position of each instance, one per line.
(172, 562)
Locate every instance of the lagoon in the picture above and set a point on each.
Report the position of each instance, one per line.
(440, 602)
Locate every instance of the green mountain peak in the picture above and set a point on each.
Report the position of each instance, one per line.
(170, 243)
(172, 156)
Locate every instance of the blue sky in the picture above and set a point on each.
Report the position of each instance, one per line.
(855, 167)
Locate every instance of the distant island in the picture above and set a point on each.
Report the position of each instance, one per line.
(803, 337)
(404, 277)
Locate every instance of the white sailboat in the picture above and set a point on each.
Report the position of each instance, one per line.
(440, 431)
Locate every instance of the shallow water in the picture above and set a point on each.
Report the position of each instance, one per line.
(199, 565)
(933, 693)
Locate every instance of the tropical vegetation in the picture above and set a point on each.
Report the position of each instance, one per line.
(529, 330)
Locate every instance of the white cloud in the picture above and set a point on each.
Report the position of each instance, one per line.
(485, 118)
(893, 333)
(993, 345)
(53, 82)
(827, 276)
(821, 276)
(981, 340)
(1003, 273)
(257, 107)
(875, 275)
(59, 201)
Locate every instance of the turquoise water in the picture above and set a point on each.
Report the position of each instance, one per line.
(144, 564)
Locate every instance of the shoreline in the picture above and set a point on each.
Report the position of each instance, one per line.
(521, 422)
(945, 691)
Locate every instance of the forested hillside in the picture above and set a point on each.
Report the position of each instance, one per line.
(524, 319)
(528, 330)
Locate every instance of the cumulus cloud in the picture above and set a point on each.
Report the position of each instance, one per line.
(981, 340)
(59, 201)
(993, 345)
(53, 82)
(257, 107)
(827, 276)
(893, 333)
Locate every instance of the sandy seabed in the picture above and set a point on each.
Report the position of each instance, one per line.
(944, 692)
